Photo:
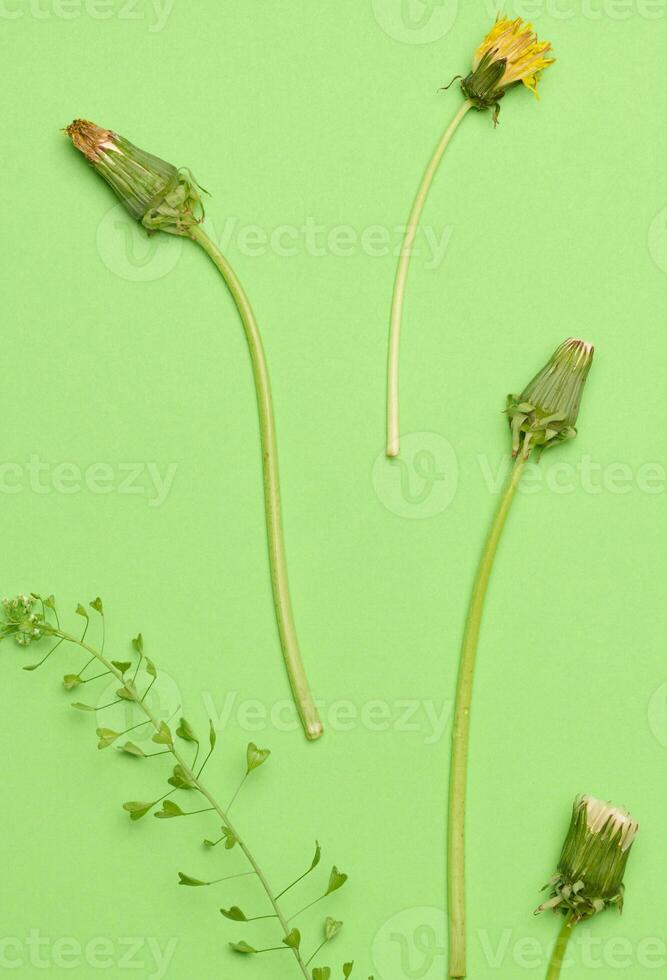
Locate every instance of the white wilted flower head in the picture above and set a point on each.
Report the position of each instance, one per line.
(21, 621)
(593, 860)
(546, 411)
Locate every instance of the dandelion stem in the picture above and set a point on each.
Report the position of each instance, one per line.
(401, 278)
(277, 561)
(558, 954)
(460, 732)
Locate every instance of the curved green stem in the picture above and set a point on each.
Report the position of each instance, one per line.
(274, 526)
(558, 955)
(460, 734)
(401, 278)
(208, 796)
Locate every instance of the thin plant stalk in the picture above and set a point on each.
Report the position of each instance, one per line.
(279, 580)
(401, 279)
(558, 954)
(164, 198)
(458, 773)
(199, 785)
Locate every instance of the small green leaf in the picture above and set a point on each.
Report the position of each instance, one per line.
(212, 734)
(131, 749)
(242, 948)
(321, 973)
(151, 669)
(230, 838)
(128, 692)
(336, 880)
(185, 731)
(107, 736)
(137, 809)
(209, 843)
(187, 880)
(256, 757)
(96, 604)
(32, 666)
(138, 644)
(332, 928)
(82, 707)
(318, 856)
(70, 681)
(347, 969)
(293, 939)
(80, 611)
(180, 779)
(169, 810)
(234, 913)
(163, 735)
(50, 602)
(121, 665)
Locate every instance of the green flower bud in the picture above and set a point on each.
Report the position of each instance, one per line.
(21, 621)
(155, 193)
(545, 412)
(593, 859)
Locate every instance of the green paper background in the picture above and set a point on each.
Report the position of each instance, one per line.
(119, 350)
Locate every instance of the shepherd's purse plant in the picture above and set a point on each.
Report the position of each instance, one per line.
(509, 54)
(32, 619)
(163, 198)
(543, 415)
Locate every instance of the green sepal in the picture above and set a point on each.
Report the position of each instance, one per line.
(107, 736)
(180, 779)
(336, 880)
(293, 939)
(331, 928)
(242, 947)
(129, 748)
(192, 882)
(137, 809)
(256, 757)
(163, 735)
(185, 731)
(234, 913)
(169, 810)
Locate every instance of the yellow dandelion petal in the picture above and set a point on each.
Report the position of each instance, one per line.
(510, 53)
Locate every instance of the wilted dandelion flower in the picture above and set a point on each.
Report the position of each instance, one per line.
(510, 53)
